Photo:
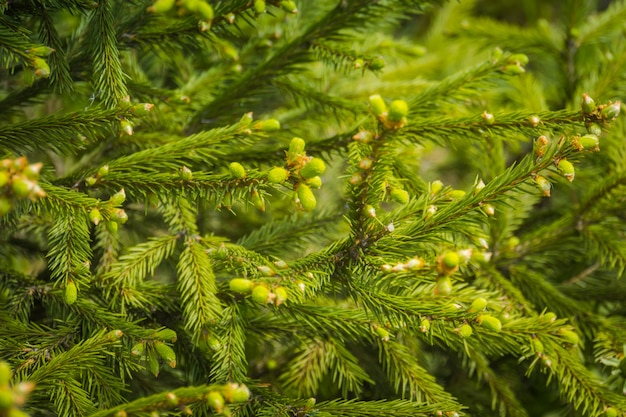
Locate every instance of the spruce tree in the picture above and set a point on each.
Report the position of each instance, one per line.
(312, 208)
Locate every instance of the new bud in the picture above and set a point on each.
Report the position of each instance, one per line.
(277, 175)
(313, 168)
(465, 331)
(237, 170)
(240, 285)
(489, 322)
(399, 195)
(289, 6)
(543, 184)
(566, 168)
(588, 105)
(268, 125)
(377, 104)
(398, 110)
(377, 63)
(611, 111)
(306, 197)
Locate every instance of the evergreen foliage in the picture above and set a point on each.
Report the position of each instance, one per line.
(312, 208)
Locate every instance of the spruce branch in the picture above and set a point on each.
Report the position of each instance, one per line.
(110, 81)
(136, 265)
(66, 134)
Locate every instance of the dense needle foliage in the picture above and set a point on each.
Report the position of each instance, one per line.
(312, 208)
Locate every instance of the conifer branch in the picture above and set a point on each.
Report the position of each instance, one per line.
(140, 261)
(69, 253)
(66, 134)
(110, 81)
(229, 361)
(409, 378)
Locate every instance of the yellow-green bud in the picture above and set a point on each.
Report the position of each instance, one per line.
(306, 197)
(94, 216)
(611, 110)
(166, 353)
(537, 345)
(424, 325)
(465, 331)
(398, 109)
(315, 182)
(161, 6)
(32, 171)
(22, 187)
(268, 125)
(549, 317)
(166, 334)
(261, 294)
(7, 400)
(489, 209)
(281, 295)
(277, 175)
(399, 195)
(138, 349)
(259, 6)
(240, 285)
(296, 147)
(280, 264)
(443, 286)
(5, 374)
(588, 104)
(569, 336)
(126, 126)
(240, 394)
(520, 59)
(457, 194)
(153, 364)
(382, 333)
(377, 63)
(358, 63)
(237, 170)
(377, 104)
(289, 6)
(488, 118)
(594, 129)
(313, 168)
(450, 259)
(611, 412)
(142, 109)
(266, 270)
(112, 226)
(436, 186)
(257, 201)
(41, 50)
(513, 69)
(71, 293)
(186, 174)
(171, 399)
(42, 70)
(215, 400)
(364, 136)
(567, 169)
(589, 141)
(489, 322)
(246, 119)
(478, 304)
(118, 198)
(543, 184)
(205, 10)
